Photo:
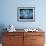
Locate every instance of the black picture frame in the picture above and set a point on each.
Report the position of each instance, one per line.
(26, 14)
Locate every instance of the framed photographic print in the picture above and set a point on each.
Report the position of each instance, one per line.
(26, 14)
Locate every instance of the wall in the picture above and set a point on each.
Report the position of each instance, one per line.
(8, 13)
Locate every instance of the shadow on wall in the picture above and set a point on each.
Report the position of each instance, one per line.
(2, 27)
